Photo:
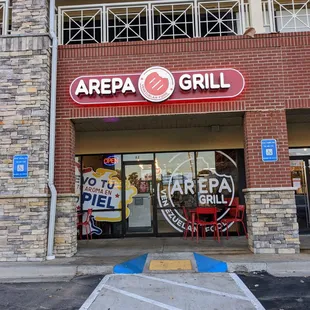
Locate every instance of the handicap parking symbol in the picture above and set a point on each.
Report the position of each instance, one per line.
(20, 166)
(269, 150)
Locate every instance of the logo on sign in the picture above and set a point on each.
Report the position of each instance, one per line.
(110, 161)
(156, 84)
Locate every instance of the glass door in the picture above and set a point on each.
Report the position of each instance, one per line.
(300, 180)
(138, 211)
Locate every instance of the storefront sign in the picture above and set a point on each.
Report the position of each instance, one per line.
(110, 161)
(102, 192)
(157, 84)
(269, 150)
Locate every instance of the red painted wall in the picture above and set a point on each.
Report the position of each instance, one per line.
(276, 68)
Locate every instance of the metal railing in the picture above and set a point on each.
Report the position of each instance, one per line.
(286, 15)
(4, 17)
(151, 20)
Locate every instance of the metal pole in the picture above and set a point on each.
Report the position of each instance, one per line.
(6, 17)
(51, 166)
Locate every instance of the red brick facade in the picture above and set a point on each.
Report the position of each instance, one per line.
(270, 64)
(257, 126)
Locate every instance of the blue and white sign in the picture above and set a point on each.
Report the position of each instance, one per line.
(20, 166)
(269, 150)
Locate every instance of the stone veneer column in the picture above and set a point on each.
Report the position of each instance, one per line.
(271, 218)
(29, 16)
(65, 228)
(270, 202)
(24, 129)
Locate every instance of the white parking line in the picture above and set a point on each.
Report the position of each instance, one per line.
(103, 285)
(194, 287)
(95, 293)
(135, 296)
(247, 292)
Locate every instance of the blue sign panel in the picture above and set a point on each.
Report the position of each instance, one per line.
(269, 150)
(20, 166)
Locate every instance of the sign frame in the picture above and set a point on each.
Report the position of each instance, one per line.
(127, 96)
(20, 166)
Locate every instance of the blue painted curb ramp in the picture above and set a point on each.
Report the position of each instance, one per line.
(132, 266)
(207, 264)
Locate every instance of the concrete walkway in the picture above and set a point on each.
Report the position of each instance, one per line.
(172, 292)
(99, 257)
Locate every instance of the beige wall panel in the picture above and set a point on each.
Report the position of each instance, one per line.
(158, 140)
(299, 134)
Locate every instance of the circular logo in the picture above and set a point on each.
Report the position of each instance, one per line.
(156, 84)
(212, 188)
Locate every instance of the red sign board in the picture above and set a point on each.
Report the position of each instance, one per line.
(156, 85)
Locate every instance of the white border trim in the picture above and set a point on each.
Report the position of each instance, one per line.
(194, 287)
(141, 298)
(247, 292)
(88, 302)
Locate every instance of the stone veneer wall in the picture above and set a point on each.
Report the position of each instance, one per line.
(65, 227)
(272, 221)
(24, 129)
(23, 228)
(29, 16)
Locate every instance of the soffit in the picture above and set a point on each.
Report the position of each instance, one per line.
(158, 122)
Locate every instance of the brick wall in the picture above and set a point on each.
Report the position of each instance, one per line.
(268, 63)
(266, 125)
(65, 153)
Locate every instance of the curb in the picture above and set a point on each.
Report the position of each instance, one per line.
(94, 269)
(48, 273)
(52, 273)
(279, 269)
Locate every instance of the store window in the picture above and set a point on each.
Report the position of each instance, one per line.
(102, 192)
(175, 179)
(145, 193)
(300, 178)
(194, 179)
(217, 176)
(300, 151)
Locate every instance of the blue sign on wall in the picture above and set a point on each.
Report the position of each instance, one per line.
(20, 166)
(269, 150)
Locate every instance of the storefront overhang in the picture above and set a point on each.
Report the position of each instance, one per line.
(159, 133)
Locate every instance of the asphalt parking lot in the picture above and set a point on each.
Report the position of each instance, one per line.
(52, 295)
(273, 293)
(279, 293)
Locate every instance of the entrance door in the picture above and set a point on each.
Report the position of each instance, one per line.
(139, 203)
(300, 180)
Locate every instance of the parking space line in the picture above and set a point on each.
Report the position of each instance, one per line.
(247, 292)
(198, 288)
(95, 293)
(135, 296)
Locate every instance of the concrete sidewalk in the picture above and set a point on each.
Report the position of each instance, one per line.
(100, 256)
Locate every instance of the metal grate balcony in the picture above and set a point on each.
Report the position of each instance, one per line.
(286, 15)
(152, 20)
